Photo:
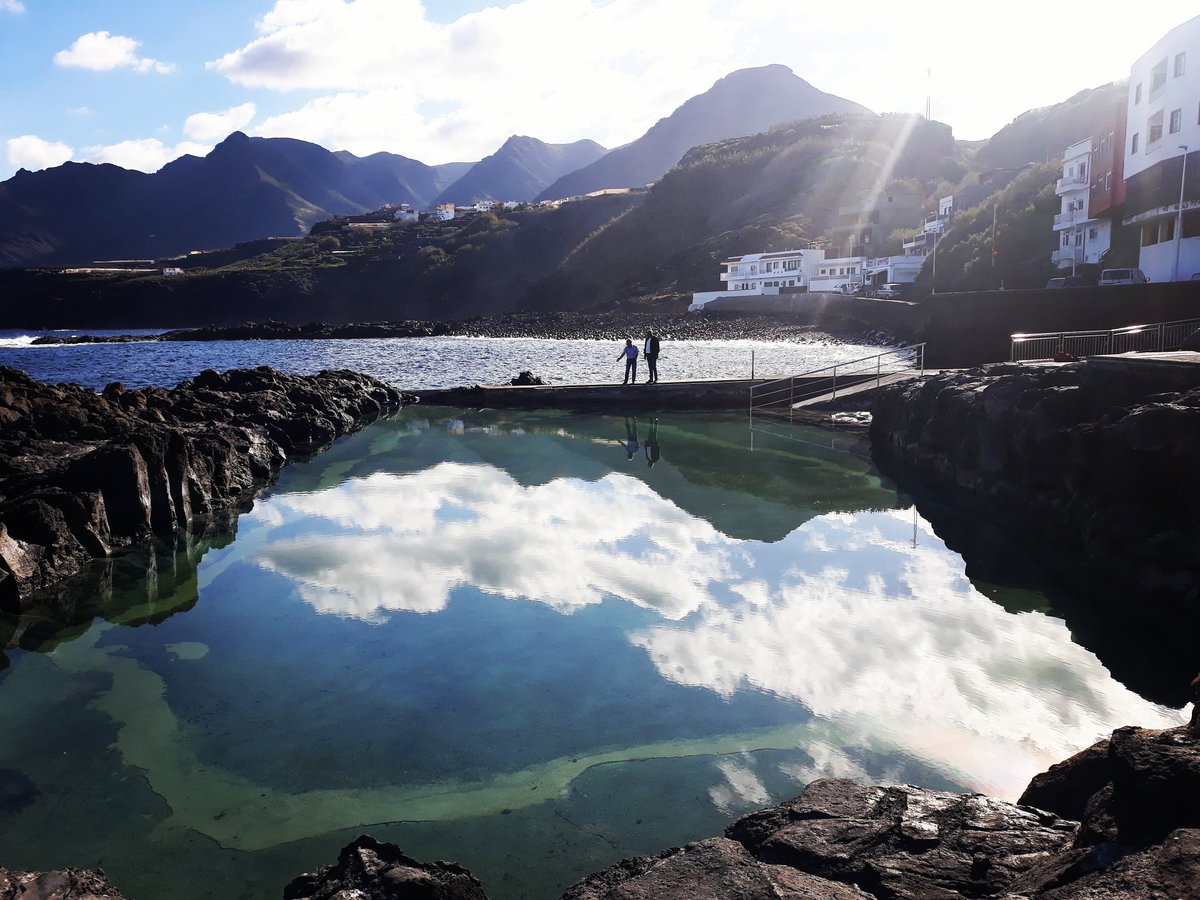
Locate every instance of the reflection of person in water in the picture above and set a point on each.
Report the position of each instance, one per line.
(631, 437)
(652, 451)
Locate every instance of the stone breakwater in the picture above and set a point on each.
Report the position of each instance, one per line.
(86, 475)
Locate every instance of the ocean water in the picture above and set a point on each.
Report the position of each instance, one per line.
(534, 643)
(415, 363)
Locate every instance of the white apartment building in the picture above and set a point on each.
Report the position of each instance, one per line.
(763, 273)
(756, 271)
(932, 229)
(1162, 154)
(833, 273)
(1081, 238)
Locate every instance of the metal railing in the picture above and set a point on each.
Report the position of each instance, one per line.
(1130, 339)
(788, 394)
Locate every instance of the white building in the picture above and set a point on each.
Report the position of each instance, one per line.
(880, 270)
(406, 214)
(1080, 237)
(443, 213)
(932, 229)
(833, 273)
(1162, 154)
(764, 274)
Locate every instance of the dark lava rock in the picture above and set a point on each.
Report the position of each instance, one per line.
(66, 884)
(368, 869)
(1092, 462)
(84, 475)
(526, 378)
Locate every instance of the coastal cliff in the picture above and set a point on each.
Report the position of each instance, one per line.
(84, 475)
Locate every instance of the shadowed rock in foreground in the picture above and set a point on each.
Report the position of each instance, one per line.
(66, 884)
(1137, 793)
(85, 475)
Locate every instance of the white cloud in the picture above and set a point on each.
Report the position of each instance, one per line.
(144, 155)
(562, 70)
(31, 152)
(101, 51)
(12, 6)
(452, 525)
(868, 620)
(214, 126)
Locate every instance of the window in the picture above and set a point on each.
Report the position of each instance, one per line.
(1108, 180)
(1158, 79)
(1133, 147)
(1154, 129)
(1180, 63)
(1176, 120)
(1066, 239)
(1137, 94)
(1092, 234)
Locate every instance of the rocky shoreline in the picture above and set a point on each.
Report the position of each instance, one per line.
(610, 325)
(85, 475)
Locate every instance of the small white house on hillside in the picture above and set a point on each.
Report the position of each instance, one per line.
(763, 274)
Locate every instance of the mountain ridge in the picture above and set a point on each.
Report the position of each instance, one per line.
(744, 102)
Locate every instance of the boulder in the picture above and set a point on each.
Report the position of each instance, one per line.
(368, 869)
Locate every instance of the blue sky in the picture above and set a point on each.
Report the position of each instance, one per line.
(137, 83)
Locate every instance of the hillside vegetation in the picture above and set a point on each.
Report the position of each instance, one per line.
(781, 189)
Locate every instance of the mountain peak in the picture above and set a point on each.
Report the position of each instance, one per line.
(747, 101)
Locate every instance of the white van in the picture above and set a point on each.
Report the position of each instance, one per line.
(1123, 276)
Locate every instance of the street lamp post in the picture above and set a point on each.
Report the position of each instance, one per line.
(1179, 214)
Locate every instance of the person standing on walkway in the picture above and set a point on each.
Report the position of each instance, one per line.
(651, 352)
(630, 354)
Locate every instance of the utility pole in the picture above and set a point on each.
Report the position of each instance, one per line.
(1179, 214)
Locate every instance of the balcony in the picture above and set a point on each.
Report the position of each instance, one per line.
(1068, 256)
(1071, 182)
(1070, 219)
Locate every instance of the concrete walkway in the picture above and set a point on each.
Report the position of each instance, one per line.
(717, 394)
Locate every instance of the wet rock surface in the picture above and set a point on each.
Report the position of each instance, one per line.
(85, 475)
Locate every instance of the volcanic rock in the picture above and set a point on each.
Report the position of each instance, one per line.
(84, 475)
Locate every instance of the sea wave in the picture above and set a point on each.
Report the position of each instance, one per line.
(22, 340)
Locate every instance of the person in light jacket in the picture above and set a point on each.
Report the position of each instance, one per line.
(630, 353)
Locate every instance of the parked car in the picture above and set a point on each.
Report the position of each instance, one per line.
(1123, 276)
(1054, 283)
(891, 291)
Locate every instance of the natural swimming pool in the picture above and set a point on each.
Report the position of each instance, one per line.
(534, 643)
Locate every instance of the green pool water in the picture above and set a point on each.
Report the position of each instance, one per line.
(533, 643)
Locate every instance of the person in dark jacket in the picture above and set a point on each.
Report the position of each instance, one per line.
(650, 351)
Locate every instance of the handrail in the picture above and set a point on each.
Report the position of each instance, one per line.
(793, 390)
(1151, 338)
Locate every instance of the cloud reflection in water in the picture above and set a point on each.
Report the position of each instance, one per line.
(866, 619)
